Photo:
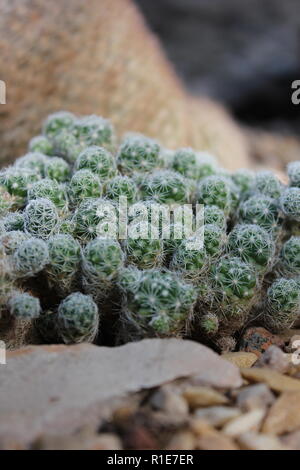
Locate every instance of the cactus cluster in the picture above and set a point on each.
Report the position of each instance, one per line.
(66, 268)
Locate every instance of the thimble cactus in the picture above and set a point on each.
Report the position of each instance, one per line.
(260, 210)
(24, 306)
(209, 324)
(293, 171)
(30, 258)
(214, 215)
(93, 130)
(56, 168)
(57, 122)
(49, 189)
(67, 146)
(122, 186)
(244, 180)
(165, 186)
(290, 203)
(157, 304)
(41, 218)
(7, 201)
(41, 144)
(13, 221)
(94, 217)
(289, 260)
(282, 304)
(102, 259)
(191, 164)
(253, 244)
(64, 262)
(34, 161)
(265, 182)
(83, 185)
(98, 160)
(142, 250)
(217, 191)
(17, 181)
(11, 240)
(138, 153)
(77, 319)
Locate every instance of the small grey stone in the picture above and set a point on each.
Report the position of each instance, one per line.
(255, 396)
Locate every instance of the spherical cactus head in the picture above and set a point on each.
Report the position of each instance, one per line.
(234, 279)
(41, 144)
(98, 160)
(244, 180)
(214, 215)
(260, 210)
(189, 262)
(128, 279)
(57, 122)
(95, 217)
(293, 171)
(252, 244)
(142, 249)
(49, 189)
(214, 240)
(7, 201)
(192, 164)
(10, 241)
(77, 318)
(83, 185)
(268, 184)
(94, 130)
(103, 257)
(41, 218)
(209, 324)
(67, 146)
(290, 203)
(138, 153)
(226, 343)
(64, 255)
(24, 306)
(30, 257)
(13, 221)
(122, 186)
(166, 186)
(56, 168)
(34, 161)
(218, 191)
(18, 180)
(282, 304)
(290, 256)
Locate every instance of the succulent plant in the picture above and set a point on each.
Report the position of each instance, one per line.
(57, 122)
(215, 216)
(293, 171)
(142, 250)
(99, 161)
(41, 218)
(64, 262)
(30, 258)
(11, 240)
(252, 244)
(266, 183)
(34, 161)
(165, 186)
(289, 259)
(13, 221)
(49, 189)
(67, 146)
(17, 181)
(93, 130)
(41, 144)
(156, 303)
(102, 259)
(7, 201)
(138, 153)
(290, 203)
(56, 168)
(195, 165)
(77, 319)
(217, 191)
(92, 218)
(24, 306)
(209, 324)
(84, 185)
(260, 210)
(244, 180)
(282, 304)
(122, 186)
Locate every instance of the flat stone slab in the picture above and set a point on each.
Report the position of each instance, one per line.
(55, 389)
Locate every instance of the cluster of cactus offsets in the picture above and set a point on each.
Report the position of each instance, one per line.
(65, 268)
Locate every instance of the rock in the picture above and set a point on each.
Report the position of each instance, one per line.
(250, 421)
(217, 416)
(284, 415)
(257, 340)
(276, 381)
(255, 396)
(167, 400)
(203, 396)
(140, 437)
(275, 359)
(184, 440)
(79, 441)
(255, 441)
(69, 389)
(216, 441)
(292, 440)
(241, 358)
